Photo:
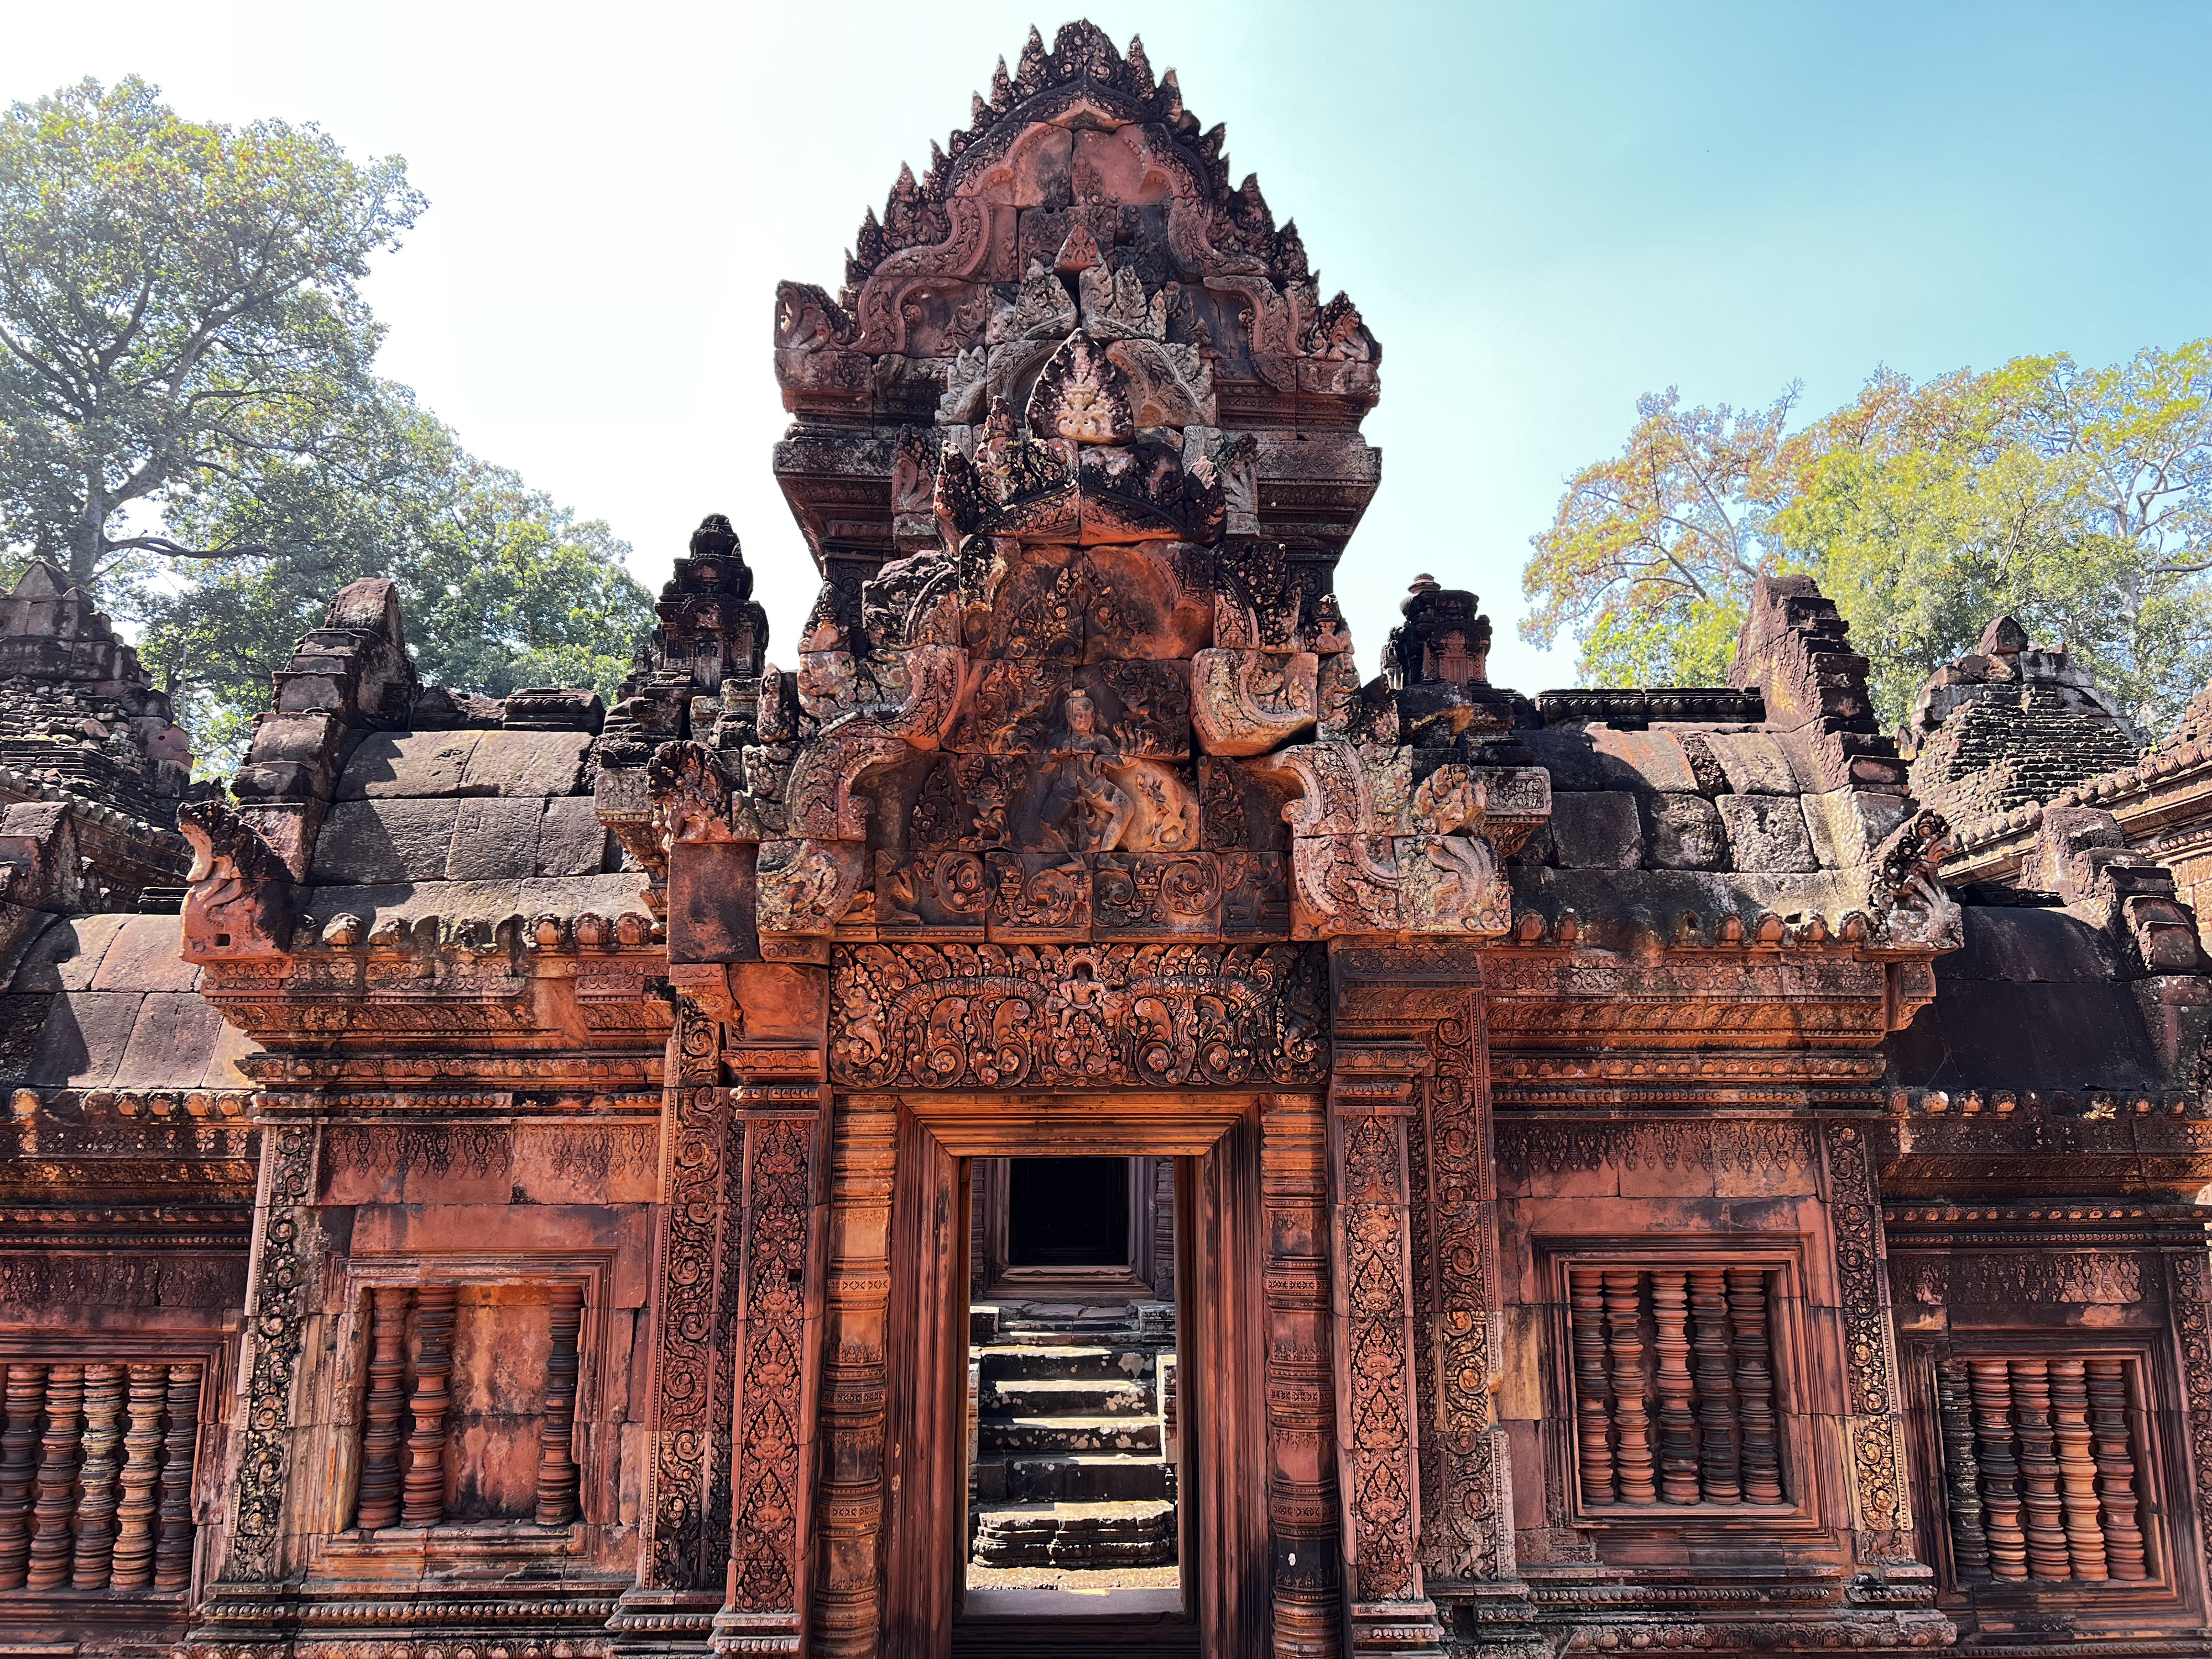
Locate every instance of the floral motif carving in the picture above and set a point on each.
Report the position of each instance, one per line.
(992, 1015)
(1372, 1219)
(691, 1321)
(277, 1319)
(1465, 1533)
(766, 1545)
(1877, 1455)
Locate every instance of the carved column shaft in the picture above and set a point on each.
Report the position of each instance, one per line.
(135, 1517)
(19, 1463)
(1719, 1446)
(847, 1606)
(378, 1504)
(1593, 1386)
(2114, 1453)
(173, 1554)
(1372, 1295)
(1962, 1492)
(556, 1428)
(778, 1259)
(1678, 1422)
(1754, 1385)
(51, 1544)
(1632, 1424)
(96, 1480)
(1993, 1450)
(2047, 1555)
(1302, 1491)
(691, 1327)
(422, 1500)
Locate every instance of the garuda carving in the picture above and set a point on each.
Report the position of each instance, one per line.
(1077, 1017)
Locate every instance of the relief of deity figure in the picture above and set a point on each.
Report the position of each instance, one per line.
(1078, 789)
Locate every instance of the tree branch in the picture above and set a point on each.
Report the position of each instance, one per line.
(168, 548)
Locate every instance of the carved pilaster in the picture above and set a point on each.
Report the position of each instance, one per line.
(275, 1319)
(681, 1555)
(2192, 1319)
(1370, 1112)
(845, 1616)
(779, 1198)
(1302, 1490)
(1881, 1513)
(1466, 1520)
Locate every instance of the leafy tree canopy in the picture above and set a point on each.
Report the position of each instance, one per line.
(182, 337)
(2078, 500)
(177, 299)
(499, 585)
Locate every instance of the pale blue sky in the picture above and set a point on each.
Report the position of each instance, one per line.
(1542, 210)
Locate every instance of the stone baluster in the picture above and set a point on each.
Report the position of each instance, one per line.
(1962, 1475)
(1678, 1421)
(1624, 1315)
(556, 1429)
(1719, 1449)
(97, 1496)
(173, 1554)
(377, 1504)
(1592, 1423)
(2077, 1470)
(18, 1462)
(135, 1517)
(2039, 1470)
(1754, 1386)
(2113, 1449)
(1993, 1449)
(423, 1500)
(51, 1542)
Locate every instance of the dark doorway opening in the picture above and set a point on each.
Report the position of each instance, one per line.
(1067, 1212)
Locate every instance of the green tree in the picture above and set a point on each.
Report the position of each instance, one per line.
(1653, 550)
(500, 586)
(178, 299)
(2079, 500)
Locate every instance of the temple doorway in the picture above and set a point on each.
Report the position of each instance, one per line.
(1072, 1385)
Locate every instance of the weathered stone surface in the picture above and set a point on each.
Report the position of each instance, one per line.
(571, 841)
(366, 842)
(407, 763)
(1767, 832)
(494, 839)
(1684, 832)
(526, 762)
(1597, 830)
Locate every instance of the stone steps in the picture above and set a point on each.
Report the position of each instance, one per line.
(1084, 1477)
(1066, 1396)
(1070, 1434)
(1093, 1535)
(1000, 1361)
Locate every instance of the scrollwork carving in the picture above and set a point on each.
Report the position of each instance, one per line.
(994, 1015)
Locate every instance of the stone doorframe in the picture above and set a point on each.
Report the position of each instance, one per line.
(1143, 1276)
(1259, 1522)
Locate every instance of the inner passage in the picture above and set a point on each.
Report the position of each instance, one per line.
(1067, 1212)
(1072, 1377)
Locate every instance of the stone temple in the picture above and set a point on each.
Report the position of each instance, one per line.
(1063, 1118)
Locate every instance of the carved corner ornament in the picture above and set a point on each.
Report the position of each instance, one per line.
(237, 900)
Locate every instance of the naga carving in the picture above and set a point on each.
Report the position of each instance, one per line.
(237, 900)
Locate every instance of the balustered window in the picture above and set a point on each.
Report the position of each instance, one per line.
(2045, 1475)
(506, 1449)
(96, 1465)
(1677, 1398)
